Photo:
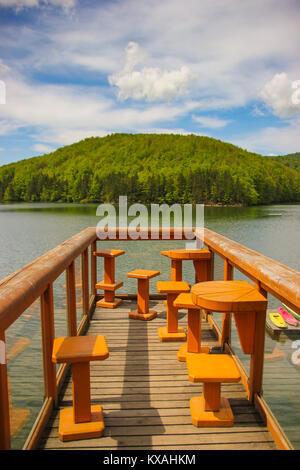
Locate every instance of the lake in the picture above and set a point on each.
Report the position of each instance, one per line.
(29, 230)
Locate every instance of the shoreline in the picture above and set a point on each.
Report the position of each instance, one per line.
(209, 204)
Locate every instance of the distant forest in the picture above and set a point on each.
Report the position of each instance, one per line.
(152, 168)
(292, 160)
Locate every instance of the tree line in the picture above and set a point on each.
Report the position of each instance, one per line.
(150, 168)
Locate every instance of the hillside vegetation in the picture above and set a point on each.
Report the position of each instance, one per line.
(150, 168)
(291, 160)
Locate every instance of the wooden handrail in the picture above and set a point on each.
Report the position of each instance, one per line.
(279, 280)
(22, 289)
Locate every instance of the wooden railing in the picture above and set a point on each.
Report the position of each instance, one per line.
(268, 276)
(19, 290)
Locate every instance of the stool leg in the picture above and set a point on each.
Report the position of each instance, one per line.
(109, 270)
(81, 392)
(82, 421)
(143, 312)
(109, 300)
(176, 270)
(109, 296)
(143, 296)
(194, 331)
(172, 314)
(211, 410)
(193, 344)
(211, 396)
(201, 270)
(171, 332)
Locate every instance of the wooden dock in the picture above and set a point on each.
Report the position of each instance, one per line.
(144, 391)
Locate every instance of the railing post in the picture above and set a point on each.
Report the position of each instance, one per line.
(257, 358)
(226, 321)
(210, 273)
(71, 299)
(48, 334)
(211, 267)
(4, 398)
(85, 281)
(93, 268)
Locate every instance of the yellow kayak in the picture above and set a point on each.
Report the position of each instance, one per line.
(277, 320)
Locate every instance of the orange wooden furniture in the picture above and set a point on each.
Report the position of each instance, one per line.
(211, 369)
(171, 332)
(82, 421)
(193, 344)
(239, 297)
(143, 312)
(200, 258)
(109, 284)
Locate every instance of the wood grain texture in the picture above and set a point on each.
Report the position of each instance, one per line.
(145, 391)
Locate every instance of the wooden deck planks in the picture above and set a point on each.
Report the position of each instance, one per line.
(145, 392)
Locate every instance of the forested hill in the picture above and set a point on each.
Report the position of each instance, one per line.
(292, 160)
(150, 168)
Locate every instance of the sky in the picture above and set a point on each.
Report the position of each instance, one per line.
(72, 69)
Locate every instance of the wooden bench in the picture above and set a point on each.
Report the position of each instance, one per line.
(109, 284)
(211, 369)
(193, 345)
(171, 332)
(143, 312)
(82, 421)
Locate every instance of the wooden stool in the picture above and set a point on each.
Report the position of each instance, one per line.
(193, 345)
(200, 260)
(212, 369)
(171, 332)
(109, 285)
(82, 421)
(143, 312)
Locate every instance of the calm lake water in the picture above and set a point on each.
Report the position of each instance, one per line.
(29, 230)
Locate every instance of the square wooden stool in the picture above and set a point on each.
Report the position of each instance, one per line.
(172, 332)
(82, 421)
(109, 284)
(143, 312)
(211, 369)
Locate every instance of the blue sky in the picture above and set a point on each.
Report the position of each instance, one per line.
(228, 69)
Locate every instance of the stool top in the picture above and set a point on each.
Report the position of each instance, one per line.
(228, 296)
(185, 301)
(79, 349)
(212, 368)
(185, 254)
(109, 253)
(172, 287)
(143, 273)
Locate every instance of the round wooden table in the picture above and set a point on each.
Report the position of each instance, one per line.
(237, 297)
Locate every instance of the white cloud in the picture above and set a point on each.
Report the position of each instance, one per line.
(62, 114)
(67, 5)
(279, 94)
(230, 50)
(211, 122)
(272, 140)
(42, 148)
(68, 136)
(152, 84)
(256, 111)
